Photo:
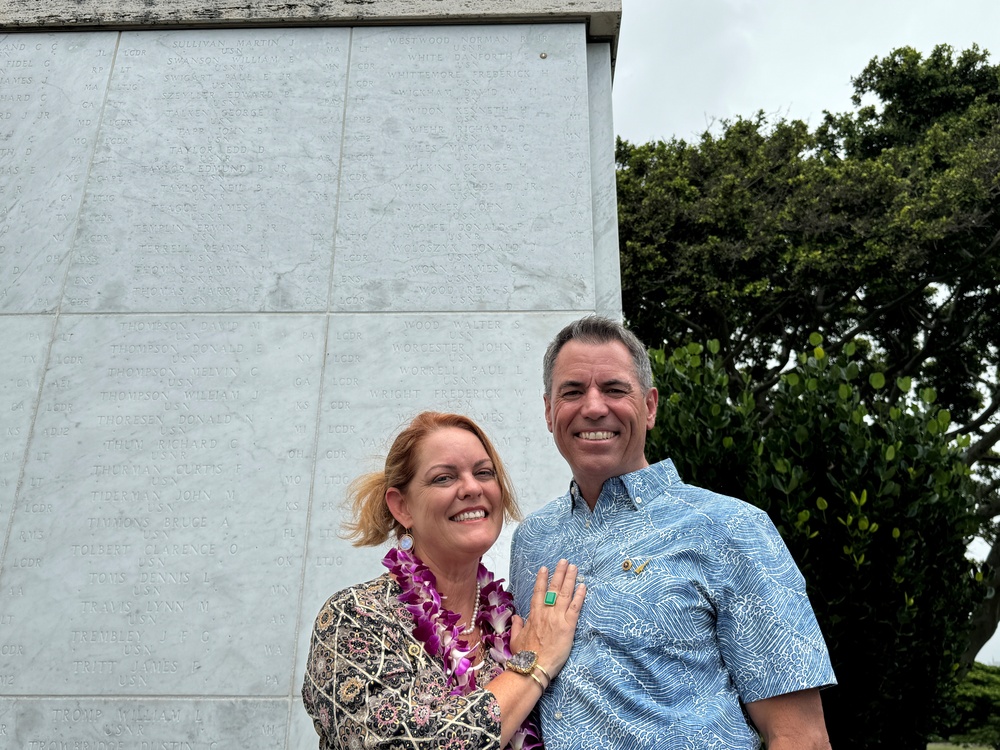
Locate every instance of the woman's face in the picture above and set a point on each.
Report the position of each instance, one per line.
(453, 505)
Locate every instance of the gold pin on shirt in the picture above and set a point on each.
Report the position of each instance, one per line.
(627, 565)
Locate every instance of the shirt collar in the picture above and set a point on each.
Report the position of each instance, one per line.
(630, 490)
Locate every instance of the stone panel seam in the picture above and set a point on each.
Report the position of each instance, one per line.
(27, 447)
(86, 178)
(340, 172)
(292, 699)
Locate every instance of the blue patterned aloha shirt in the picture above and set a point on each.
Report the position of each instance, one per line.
(693, 606)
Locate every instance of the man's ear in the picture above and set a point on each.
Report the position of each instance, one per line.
(396, 501)
(652, 398)
(548, 412)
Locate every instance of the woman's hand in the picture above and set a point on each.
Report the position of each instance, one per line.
(550, 628)
(548, 632)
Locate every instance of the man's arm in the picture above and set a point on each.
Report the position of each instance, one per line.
(793, 721)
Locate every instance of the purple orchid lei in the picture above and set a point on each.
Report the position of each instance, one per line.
(437, 628)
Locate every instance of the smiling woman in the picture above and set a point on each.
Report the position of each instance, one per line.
(426, 651)
(454, 504)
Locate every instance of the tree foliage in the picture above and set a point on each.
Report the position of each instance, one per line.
(878, 229)
(873, 501)
(978, 708)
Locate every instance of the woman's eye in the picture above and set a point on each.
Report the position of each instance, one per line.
(487, 473)
(440, 479)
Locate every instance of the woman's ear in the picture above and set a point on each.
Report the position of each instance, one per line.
(396, 501)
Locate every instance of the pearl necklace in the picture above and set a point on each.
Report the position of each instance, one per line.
(437, 628)
(475, 613)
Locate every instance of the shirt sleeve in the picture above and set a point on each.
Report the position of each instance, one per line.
(768, 634)
(369, 684)
(520, 586)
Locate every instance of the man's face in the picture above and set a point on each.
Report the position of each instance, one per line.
(598, 414)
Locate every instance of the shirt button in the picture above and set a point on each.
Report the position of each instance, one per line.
(587, 525)
(638, 499)
(557, 715)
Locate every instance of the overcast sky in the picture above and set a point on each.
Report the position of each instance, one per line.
(684, 65)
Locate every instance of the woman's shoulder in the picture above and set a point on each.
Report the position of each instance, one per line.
(374, 597)
(376, 587)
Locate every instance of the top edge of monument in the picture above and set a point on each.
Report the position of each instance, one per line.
(603, 17)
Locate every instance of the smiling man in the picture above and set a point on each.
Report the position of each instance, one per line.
(696, 631)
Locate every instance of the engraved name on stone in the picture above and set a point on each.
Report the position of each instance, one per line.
(21, 364)
(164, 499)
(50, 96)
(201, 198)
(147, 725)
(448, 165)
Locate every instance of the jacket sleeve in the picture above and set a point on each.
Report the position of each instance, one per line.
(370, 684)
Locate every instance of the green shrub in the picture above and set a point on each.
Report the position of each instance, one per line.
(875, 504)
(977, 704)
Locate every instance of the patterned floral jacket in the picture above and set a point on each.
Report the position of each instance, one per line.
(370, 684)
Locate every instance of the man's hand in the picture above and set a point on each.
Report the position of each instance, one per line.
(793, 721)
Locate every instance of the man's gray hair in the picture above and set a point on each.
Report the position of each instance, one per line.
(595, 329)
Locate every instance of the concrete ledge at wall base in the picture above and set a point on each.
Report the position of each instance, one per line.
(603, 17)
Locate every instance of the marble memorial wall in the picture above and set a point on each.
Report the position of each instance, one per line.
(232, 264)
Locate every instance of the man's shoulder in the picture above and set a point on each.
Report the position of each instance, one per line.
(702, 502)
(702, 497)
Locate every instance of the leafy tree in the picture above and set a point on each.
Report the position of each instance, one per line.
(880, 227)
(978, 708)
(915, 94)
(874, 504)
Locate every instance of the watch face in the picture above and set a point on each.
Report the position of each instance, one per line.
(523, 661)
